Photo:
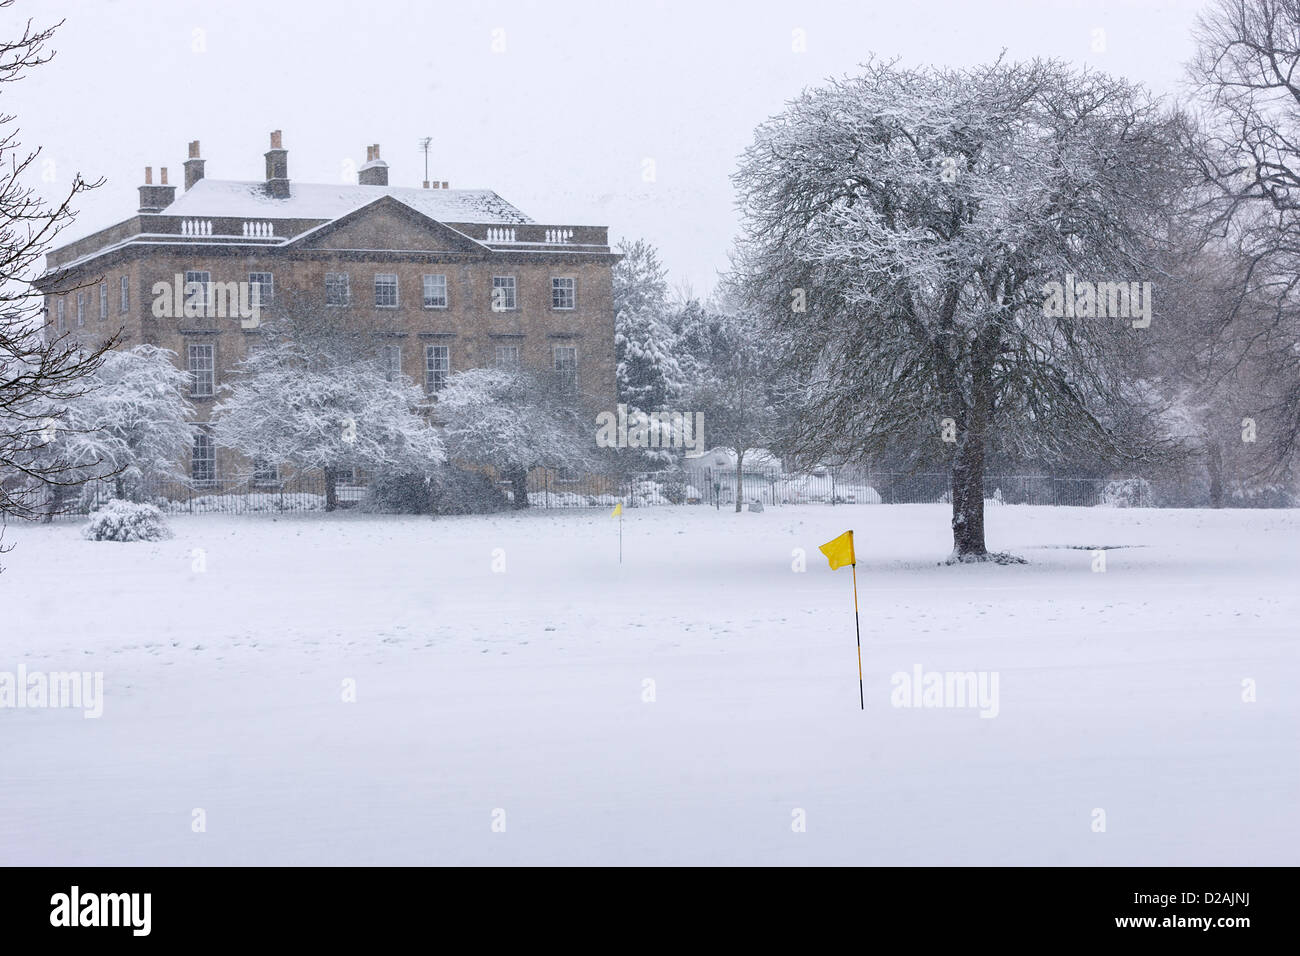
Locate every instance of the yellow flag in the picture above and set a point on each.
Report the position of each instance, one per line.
(618, 510)
(839, 551)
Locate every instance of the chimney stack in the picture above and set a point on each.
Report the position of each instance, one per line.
(193, 166)
(277, 168)
(154, 199)
(375, 171)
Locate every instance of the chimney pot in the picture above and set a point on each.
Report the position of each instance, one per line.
(154, 199)
(444, 184)
(277, 168)
(193, 166)
(426, 184)
(375, 171)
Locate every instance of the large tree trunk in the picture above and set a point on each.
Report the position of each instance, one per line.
(740, 480)
(518, 478)
(58, 495)
(968, 498)
(1214, 462)
(968, 465)
(331, 489)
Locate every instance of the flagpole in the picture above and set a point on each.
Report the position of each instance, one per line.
(839, 552)
(862, 697)
(618, 513)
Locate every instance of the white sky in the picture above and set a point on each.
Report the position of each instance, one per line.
(559, 123)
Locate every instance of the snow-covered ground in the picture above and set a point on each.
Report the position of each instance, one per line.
(523, 691)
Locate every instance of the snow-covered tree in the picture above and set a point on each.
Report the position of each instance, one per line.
(37, 373)
(136, 414)
(513, 419)
(315, 394)
(901, 228)
(59, 457)
(1225, 390)
(729, 379)
(129, 421)
(644, 347)
(1247, 152)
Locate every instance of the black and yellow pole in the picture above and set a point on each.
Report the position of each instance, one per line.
(839, 552)
(862, 697)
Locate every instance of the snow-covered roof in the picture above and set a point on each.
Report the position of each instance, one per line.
(225, 197)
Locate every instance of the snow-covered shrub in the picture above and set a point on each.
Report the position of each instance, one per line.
(647, 493)
(674, 489)
(1127, 493)
(408, 493)
(459, 491)
(126, 521)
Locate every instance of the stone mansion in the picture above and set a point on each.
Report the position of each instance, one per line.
(450, 278)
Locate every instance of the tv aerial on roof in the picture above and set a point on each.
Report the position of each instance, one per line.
(425, 143)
